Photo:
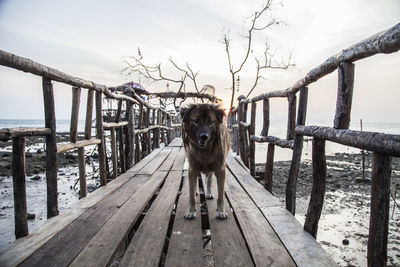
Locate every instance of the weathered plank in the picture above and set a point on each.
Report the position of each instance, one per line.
(156, 162)
(10, 133)
(251, 186)
(167, 164)
(103, 245)
(147, 244)
(180, 158)
(229, 246)
(379, 216)
(186, 243)
(265, 246)
(176, 142)
(303, 248)
(22, 248)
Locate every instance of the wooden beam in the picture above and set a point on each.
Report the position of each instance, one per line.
(7, 134)
(379, 215)
(109, 125)
(19, 187)
(291, 116)
(273, 140)
(318, 187)
(372, 141)
(79, 144)
(76, 98)
(51, 148)
(344, 95)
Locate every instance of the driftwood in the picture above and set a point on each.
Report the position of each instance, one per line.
(382, 43)
(273, 140)
(344, 95)
(11, 133)
(51, 148)
(384, 143)
(109, 125)
(78, 144)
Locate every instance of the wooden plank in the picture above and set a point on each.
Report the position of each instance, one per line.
(79, 144)
(303, 248)
(256, 191)
(229, 246)
(147, 244)
(186, 243)
(63, 247)
(103, 245)
(180, 159)
(19, 187)
(10, 133)
(167, 164)
(176, 142)
(156, 162)
(23, 247)
(318, 187)
(379, 216)
(51, 148)
(265, 246)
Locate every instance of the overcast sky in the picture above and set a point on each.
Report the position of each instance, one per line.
(89, 39)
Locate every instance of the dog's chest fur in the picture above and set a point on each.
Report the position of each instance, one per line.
(206, 160)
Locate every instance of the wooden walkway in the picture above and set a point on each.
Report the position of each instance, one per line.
(137, 220)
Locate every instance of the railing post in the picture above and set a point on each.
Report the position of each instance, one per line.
(162, 129)
(252, 147)
(130, 147)
(19, 187)
(114, 156)
(51, 148)
(269, 167)
(291, 116)
(379, 215)
(318, 187)
(344, 95)
(157, 131)
(296, 156)
(266, 119)
(73, 130)
(100, 135)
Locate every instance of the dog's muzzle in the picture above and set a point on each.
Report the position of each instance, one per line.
(203, 140)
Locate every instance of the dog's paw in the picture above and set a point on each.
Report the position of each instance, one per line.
(209, 196)
(189, 215)
(221, 215)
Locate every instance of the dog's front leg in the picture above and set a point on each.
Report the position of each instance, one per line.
(193, 176)
(209, 184)
(220, 174)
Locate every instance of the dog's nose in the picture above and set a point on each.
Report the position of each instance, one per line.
(204, 137)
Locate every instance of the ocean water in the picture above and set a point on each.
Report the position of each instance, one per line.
(61, 125)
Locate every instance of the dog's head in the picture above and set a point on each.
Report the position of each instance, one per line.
(201, 123)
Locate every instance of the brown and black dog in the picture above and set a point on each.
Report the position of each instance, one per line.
(207, 143)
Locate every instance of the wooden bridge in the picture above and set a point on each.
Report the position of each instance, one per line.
(136, 216)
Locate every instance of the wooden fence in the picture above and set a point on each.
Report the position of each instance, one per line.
(383, 146)
(136, 128)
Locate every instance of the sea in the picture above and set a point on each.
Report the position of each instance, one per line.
(277, 128)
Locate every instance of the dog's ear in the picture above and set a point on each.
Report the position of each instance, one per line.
(185, 112)
(219, 113)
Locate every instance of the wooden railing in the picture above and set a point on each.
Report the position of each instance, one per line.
(383, 146)
(137, 128)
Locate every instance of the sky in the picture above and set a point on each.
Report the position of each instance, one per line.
(91, 39)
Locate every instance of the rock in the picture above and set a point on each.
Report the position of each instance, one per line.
(5, 155)
(31, 216)
(345, 242)
(361, 180)
(35, 178)
(70, 156)
(28, 155)
(39, 151)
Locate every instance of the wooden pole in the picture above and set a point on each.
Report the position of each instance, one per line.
(269, 167)
(19, 187)
(89, 115)
(296, 156)
(76, 98)
(130, 147)
(119, 110)
(100, 135)
(318, 187)
(82, 172)
(157, 131)
(266, 120)
(162, 130)
(379, 216)
(344, 95)
(291, 116)
(51, 149)
(252, 147)
(114, 155)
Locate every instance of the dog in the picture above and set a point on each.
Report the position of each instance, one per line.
(207, 142)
